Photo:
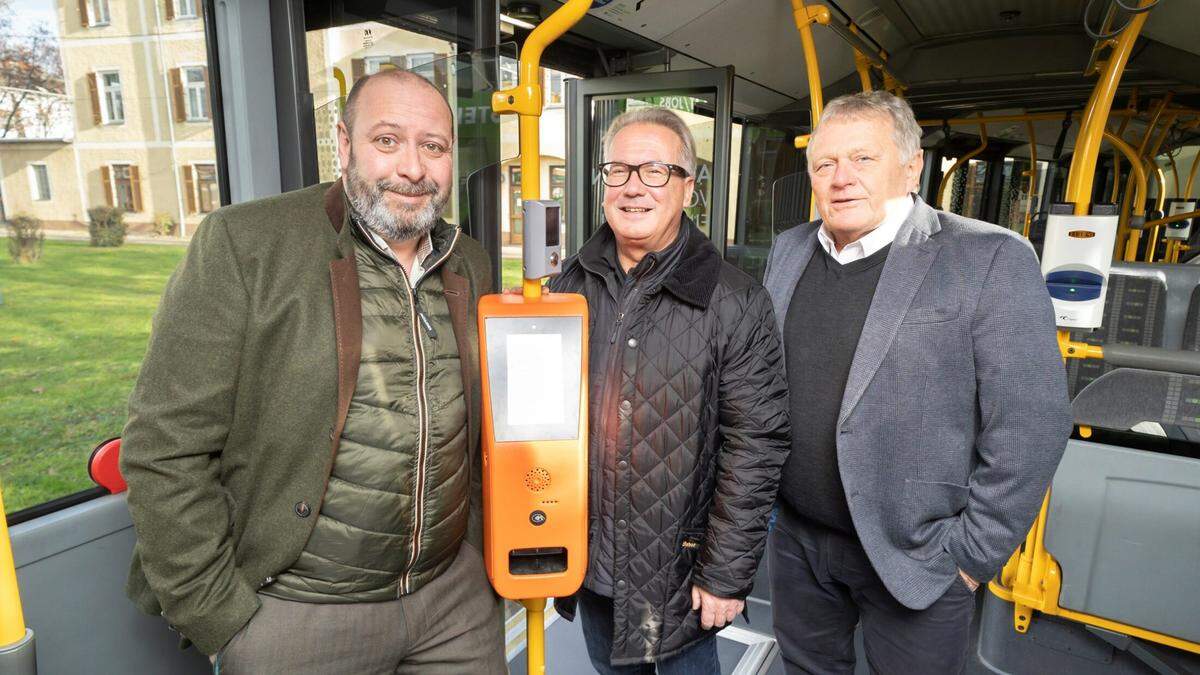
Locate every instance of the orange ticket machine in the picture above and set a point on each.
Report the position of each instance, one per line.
(533, 353)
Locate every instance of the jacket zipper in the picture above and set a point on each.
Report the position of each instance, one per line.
(417, 315)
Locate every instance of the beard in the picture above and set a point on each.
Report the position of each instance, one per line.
(368, 202)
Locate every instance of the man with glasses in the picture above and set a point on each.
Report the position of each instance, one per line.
(688, 414)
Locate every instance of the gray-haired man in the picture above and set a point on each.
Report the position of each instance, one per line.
(688, 420)
(928, 402)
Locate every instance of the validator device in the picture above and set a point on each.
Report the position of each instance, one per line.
(1076, 259)
(1180, 229)
(534, 360)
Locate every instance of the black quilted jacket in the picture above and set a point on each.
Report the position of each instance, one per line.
(697, 431)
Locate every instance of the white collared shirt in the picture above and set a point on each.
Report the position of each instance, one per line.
(896, 212)
(424, 248)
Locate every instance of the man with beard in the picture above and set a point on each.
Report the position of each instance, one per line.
(302, 450)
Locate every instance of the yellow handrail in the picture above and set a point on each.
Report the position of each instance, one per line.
(12, 618)
(961, 161)
(805, 17)
(1138, 176)
(1187, 190)
(1095, 116)
(526, 101)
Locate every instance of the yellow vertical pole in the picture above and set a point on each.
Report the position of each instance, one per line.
(535, 635)
(805, 17)
(1137, 174)
(12, 618)
(862, 64)
(1095, 116)
(526, 101)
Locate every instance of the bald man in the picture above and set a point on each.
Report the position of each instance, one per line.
(302, 450)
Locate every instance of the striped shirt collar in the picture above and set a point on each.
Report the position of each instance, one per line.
(424, 250)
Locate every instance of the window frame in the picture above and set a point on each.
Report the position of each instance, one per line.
(35, 181)
(179, 14)
(93, 15)
(189, 87)
(135, 197)
(198, 191)
(106, 113)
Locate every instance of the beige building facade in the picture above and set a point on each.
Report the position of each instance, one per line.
(141, 136)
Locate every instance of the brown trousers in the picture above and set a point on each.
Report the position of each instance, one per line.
(452, 625)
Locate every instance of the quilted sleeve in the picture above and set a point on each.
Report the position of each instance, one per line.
(756, 438)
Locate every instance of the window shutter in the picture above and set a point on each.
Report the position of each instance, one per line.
(358, 68)
(135, 186)
(83, 14)
(170, 7)
(106, 178)
(94, 91)
(180, 113)
(189, 187)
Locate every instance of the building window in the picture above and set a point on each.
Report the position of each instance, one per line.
(554, 87)
(183, 9)
(200, 186)
(195, 86)
(107, 99)
(94, 13)
(39, 182)
(374, 64)
(123, 186)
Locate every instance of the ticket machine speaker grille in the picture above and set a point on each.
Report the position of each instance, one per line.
(537, 479)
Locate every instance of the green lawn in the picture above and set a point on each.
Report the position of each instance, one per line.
(73, 329)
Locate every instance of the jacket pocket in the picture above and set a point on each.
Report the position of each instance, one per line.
(934, 500)
(931, 314)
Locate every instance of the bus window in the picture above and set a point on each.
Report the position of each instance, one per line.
(105, 120)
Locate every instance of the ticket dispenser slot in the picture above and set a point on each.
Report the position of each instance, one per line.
(534, 364)
(1076, 259)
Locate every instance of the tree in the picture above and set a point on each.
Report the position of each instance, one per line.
(29, 66)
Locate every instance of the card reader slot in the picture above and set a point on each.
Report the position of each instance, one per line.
(525, 561)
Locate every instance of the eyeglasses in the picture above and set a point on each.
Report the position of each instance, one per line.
(652, 174)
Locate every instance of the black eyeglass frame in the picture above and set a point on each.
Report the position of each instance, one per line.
(637, 168)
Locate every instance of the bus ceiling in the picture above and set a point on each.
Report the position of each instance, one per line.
(947, 58)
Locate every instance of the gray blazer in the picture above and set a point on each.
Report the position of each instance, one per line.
(955, 412)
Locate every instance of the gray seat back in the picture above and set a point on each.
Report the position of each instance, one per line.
(1124, 529)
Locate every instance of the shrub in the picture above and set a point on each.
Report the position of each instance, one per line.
(25, 239)
(164, 224)
(106, 226)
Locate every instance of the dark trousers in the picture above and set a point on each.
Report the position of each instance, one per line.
(452, 625)
(596, 612)
(823, 585)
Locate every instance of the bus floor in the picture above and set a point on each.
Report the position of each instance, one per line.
(745, 648)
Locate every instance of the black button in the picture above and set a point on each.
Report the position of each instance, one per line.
(626, 406)
(537, 517)
(302, 509)
(621, 523)
(622, 464)
(632, 342)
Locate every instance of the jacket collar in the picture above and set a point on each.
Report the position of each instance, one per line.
(690, 273)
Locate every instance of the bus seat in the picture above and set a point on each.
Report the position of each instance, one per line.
(1134, 310)
(1122, 525)
(103, 466)
(1125, 397)
(1191, 327)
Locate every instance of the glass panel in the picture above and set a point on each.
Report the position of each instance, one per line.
(74, 323)
(761, 156)
(696, 111)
